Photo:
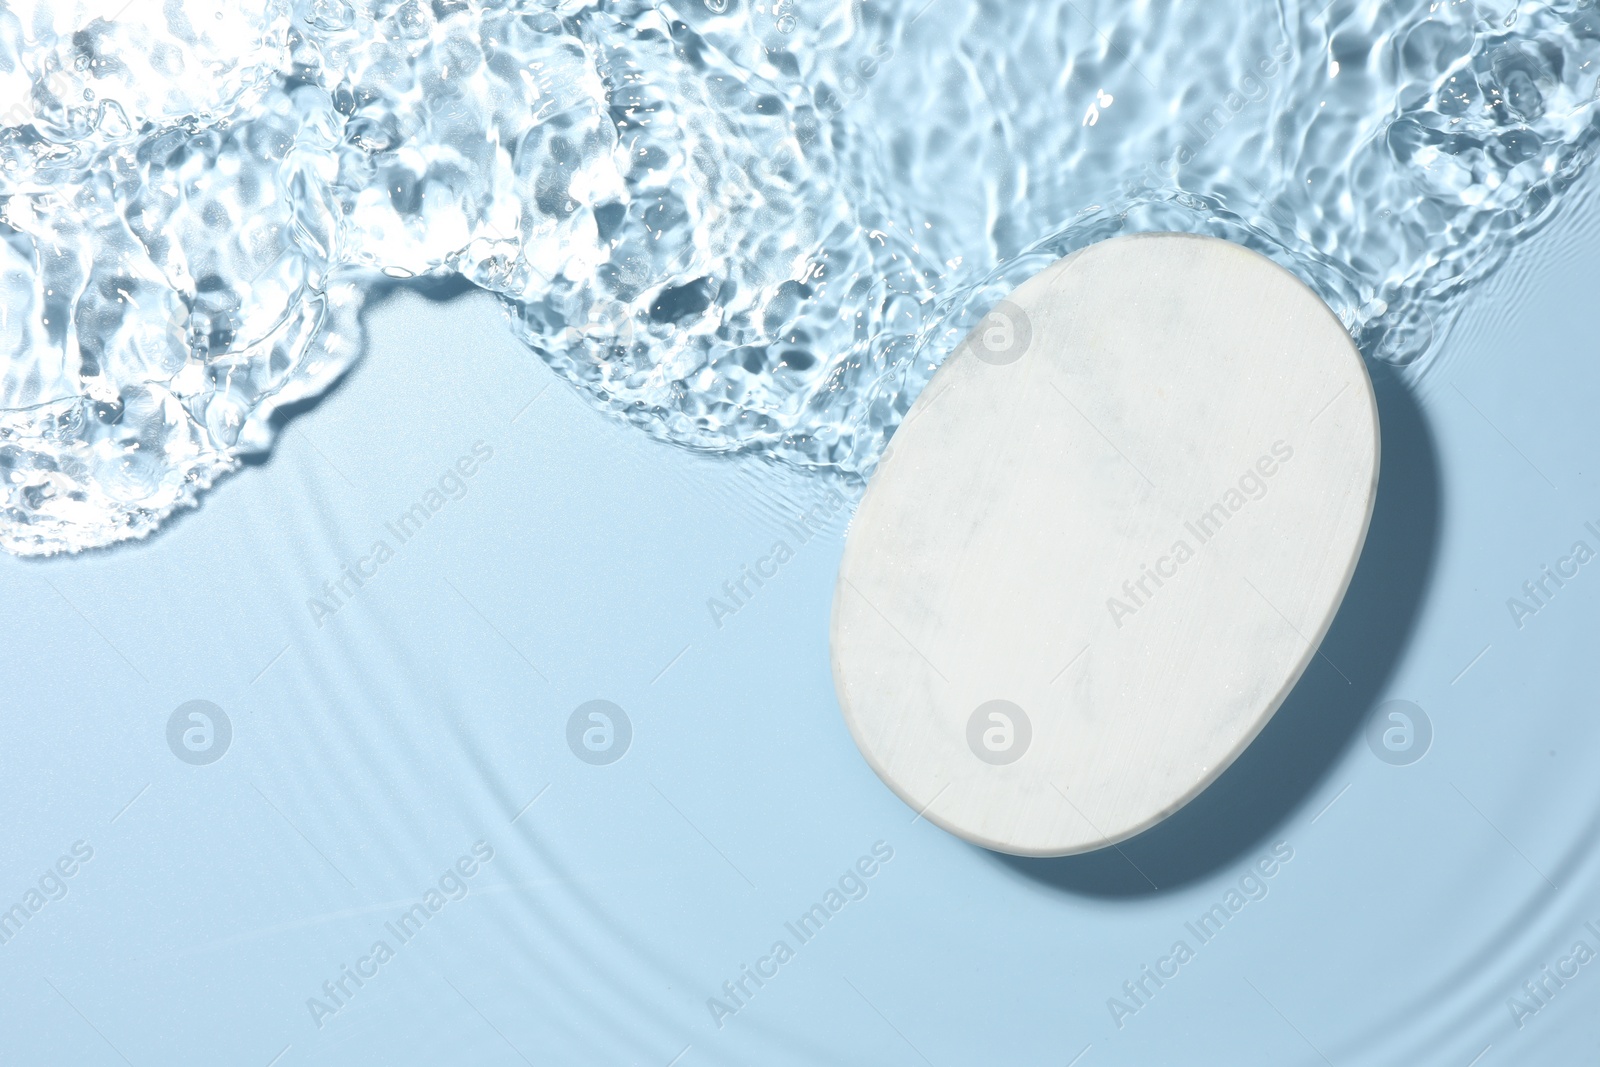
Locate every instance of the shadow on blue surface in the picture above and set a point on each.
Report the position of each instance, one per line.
(1325, 711)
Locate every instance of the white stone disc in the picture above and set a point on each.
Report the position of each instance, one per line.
(1104, 543)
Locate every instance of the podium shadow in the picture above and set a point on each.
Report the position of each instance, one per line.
(1239, 813)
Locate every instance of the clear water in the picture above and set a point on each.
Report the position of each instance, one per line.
(743, 227)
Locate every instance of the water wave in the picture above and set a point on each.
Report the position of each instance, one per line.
(741, 226)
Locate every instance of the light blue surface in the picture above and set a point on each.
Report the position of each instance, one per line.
(370, 753)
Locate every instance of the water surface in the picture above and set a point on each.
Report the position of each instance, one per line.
(743, 227)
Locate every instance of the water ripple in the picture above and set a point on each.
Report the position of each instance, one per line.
(742, 227)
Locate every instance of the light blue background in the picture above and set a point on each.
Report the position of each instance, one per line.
(372, 751)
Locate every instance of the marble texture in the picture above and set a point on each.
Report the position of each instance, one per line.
(1105, 543)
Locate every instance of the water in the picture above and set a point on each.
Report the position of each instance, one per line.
(742, 227)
